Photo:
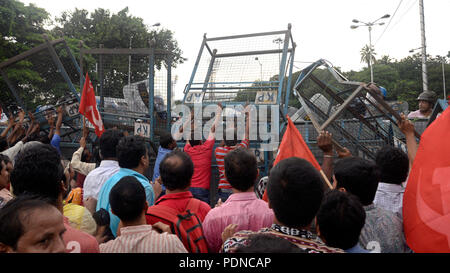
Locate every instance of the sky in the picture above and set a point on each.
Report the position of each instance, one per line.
(320, 28)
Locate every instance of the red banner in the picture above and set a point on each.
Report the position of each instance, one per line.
(426, 202)
(88, 107)
(292, 145)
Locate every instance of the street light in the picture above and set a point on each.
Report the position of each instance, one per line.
(260, 65)
(278, 41)
(443, 70)
(129, 57)
(369, 25)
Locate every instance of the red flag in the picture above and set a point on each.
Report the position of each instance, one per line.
(426, 202)
(88, 107)
(291, 145)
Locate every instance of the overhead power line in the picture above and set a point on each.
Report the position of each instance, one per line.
(390, 20)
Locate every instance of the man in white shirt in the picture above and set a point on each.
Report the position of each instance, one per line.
(108, 167)
(394, 168)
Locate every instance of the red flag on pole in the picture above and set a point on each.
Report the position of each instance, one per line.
(88, 107)
(293, 144)
(426, 201)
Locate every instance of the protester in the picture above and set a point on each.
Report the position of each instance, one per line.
(133, 161)
(261, 186)
(178, 208)
(166, 145)
(295, 192)
(221, 151)
(242, 208)
(383, 230)
(81, 160)
(18, 137)
(108, 167)
(128, 201)
(56, 139)
(5, 194)
(394, 169)
(176, 174)
(265, 243)
(426, 100)
(38, 170)
(201, 155)
(31, 224)
(340, 220)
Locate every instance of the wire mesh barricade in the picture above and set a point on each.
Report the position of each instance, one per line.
(358, 118)
(133, 88)
(40, 80)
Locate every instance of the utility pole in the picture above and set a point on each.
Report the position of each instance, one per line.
(424, 50)
(443, 77)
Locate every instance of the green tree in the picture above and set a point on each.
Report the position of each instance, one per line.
(21, 28)
(119, 30)
(368, 55)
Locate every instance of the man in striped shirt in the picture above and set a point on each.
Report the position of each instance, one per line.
(128, 202)
(222, 151)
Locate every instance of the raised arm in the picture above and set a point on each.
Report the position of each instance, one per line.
(407, 128)
(325, 144)
(11, 124)
(212, 131)
(187, 123)
(17, 129)
(247, 121)
(51, 124)
(59, 121)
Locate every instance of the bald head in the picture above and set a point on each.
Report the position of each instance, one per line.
(176, 170)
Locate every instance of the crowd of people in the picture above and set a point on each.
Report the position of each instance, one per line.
(53, 204)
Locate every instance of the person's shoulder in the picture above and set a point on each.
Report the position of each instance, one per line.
(382, 217)
(78, 241)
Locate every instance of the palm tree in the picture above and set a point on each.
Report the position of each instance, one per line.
(368, 55)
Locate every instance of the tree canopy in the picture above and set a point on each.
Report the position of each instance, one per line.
(37, 79)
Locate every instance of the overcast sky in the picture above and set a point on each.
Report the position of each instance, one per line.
(320, 28)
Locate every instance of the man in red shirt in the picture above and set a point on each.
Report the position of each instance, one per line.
(176, 171)
(201, 155)
(222, 151)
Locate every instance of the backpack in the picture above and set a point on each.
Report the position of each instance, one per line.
(187, 226)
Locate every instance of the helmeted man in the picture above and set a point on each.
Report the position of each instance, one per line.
(426, 99)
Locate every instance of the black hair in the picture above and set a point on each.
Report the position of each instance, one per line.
(127, 198)
(108, 143)
(38, 170)
(13, 214)
(234, 140)
(3, 144)
(241, 169)
(130, 150)
(358, 176)
(393, 164)
(341, 218)
(266, 243)
(295, 191)
(165, 139)
(176, 170)
(192, 141)
(5, 159)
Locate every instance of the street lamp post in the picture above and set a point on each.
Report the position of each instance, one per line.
(279, 41)
(260, 68)
(129, 56)
(369, 25)
(425, 83)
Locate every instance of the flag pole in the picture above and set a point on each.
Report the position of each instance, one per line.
(326, 179)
